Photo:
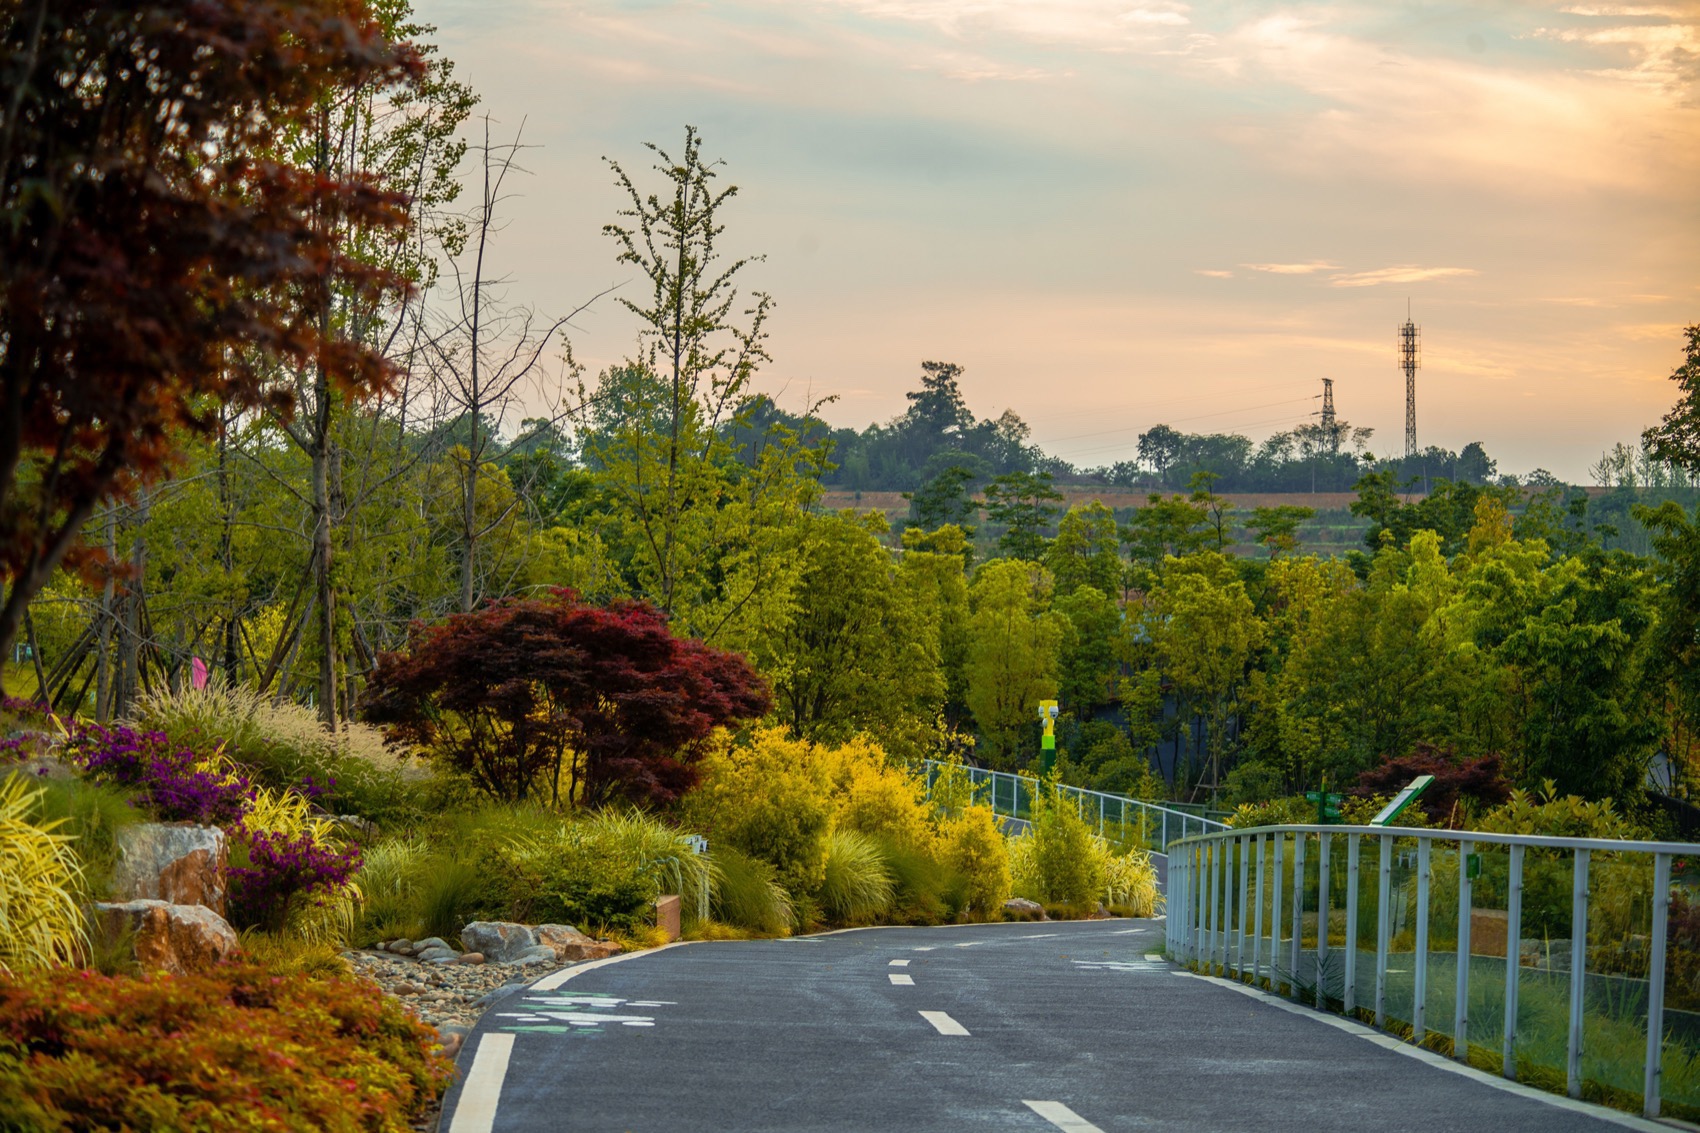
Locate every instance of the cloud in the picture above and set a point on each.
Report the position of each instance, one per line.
(1214, 273)
(1306, 268)
(1405, 273)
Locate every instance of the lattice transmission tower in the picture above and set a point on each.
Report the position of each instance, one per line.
(1410, 358)
(1330, 424)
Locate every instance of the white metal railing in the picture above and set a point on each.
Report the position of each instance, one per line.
(1222, 885)
(1157, 825)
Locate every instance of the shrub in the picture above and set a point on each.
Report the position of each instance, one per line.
(748, 894)
(1060, 866)
(554, 697)
(168, 779)
(925, 889)
(284, 746)
(235, 1048)
(769, 799)
(857, 886)
(871, 796)
(41, 920)
(282, 871)
(975, 848)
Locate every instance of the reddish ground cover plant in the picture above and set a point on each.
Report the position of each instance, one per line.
(1478, 781)
(157, 259)
(234, 1048)
(526, 693)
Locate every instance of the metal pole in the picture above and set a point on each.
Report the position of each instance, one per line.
(1165, 835)
(1513, 959)
(1419, 964)
(1222, 920)
(1350, 999)
(1100, 816)
(1578, 970)
(1275, 917)
(1656, 986)
(1461, 1001)
(1298, 910)
(1322, 902)
(1212, 922)
(1383, 926)
(1257, 917)
(1245, 897)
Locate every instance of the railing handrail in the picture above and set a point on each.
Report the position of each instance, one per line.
(1542, 841)
(1159, 807)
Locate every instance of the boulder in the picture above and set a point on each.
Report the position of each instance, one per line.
(541, 954)
(429, 942)
(177, 863)
(166, 937)
(472, 958)
(569, 944)
(1020, 908)
(437, 956)
(501, 942)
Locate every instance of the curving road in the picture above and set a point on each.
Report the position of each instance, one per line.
(1045, 1026)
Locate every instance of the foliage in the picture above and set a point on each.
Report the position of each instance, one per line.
(281, 746)
(856, 886)
(234, 1047)
(767, 798)
(1056, 863)
(972, 845)
(749, 894)
(1474, 783)
(519, 692)
(171, 782)
(160, 256)
(1023, 503)
(1012, 656)
(41, 919)
(1557, 816)
(91, 815)
(1130, 881)
(281, 872)
(1677, 437)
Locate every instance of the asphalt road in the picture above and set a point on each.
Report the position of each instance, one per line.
(1040, 1026)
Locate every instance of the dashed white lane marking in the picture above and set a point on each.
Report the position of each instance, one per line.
(901, 980)
(1039, 936)
(1062, 1117)
(476, 1110)
(970, 943)
(924, 948)
(941, 1022)
(898, 964)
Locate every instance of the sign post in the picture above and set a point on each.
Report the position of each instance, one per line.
(1048, 744)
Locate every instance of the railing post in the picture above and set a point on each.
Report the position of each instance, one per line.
(1222, 917)
(1212, 920)
(1461, 1000)
(1164, 837)
(1513, 959)
(1383, 927)
(1298, 910)
(1245, 899)
(1578, 970)
(1419, 965)
(1322, 902)
(1656, 986)
(1349, 1001)
(1275, 915)
(1257, 917)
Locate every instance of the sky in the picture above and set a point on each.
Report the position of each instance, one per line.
(1119, 213)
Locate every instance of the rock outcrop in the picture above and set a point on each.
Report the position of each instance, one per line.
(505, 942)
(177, 863)
(166, 937)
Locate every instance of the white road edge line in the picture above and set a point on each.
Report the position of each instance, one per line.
(941, 1022)
(899, 979)
(475, 1112)
(1062, 1117)
(898, 963)
(556, 979)
(1439, 1061)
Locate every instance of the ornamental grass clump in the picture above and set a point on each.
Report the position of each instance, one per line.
(858, 885)
(41, 920)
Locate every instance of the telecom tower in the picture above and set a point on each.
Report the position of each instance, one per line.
(1410, 357)
(1330, 427)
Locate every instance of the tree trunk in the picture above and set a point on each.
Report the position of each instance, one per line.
(108, 614)
(324, 464)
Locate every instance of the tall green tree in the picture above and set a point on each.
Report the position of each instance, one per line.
(1024, 504)
(1085, 551)
(1676, 439)
(1013, 642)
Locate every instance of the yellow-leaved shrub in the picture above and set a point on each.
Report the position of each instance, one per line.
(41, 920)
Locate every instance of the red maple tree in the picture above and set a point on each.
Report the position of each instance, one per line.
(158, 257)
(527, 692)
